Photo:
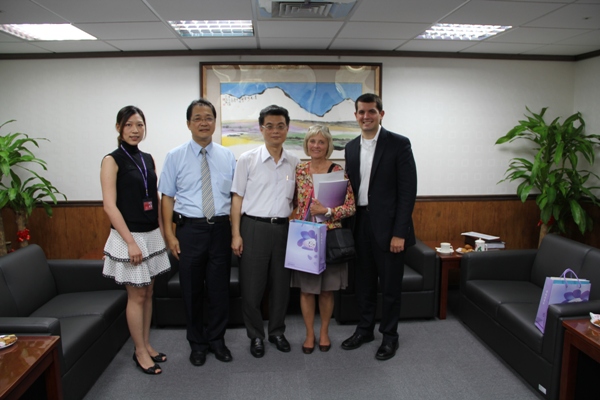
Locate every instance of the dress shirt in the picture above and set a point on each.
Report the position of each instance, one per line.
(367, 151)
(267, 188)
(181, 178)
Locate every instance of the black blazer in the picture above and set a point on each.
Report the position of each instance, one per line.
(392, 188)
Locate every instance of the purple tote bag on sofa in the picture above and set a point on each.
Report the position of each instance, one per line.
(561, 290)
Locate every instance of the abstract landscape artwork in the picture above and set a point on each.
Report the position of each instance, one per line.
(313, 94)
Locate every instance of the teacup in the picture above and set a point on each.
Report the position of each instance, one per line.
(480, 245)
(446, 247)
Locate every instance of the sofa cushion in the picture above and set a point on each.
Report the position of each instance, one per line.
(519, 319)
(490, 295)
(28, 279)
(412, 280)
(79, 333)
(556, 254)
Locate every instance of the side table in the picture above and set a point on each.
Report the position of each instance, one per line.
(447, 262)
(25, 361)
(580, 335)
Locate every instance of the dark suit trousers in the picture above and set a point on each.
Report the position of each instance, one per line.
(205, 268)
(261, 267)
(376, 266)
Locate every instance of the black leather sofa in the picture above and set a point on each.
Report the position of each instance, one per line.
(420, 288)
(66, 298)
(168, 308)
(500, 293)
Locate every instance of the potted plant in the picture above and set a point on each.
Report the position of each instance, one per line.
(22, 193)
(554, 170)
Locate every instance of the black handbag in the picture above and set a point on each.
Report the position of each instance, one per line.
(340, 246)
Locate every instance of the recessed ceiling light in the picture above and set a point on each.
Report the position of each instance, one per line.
(213, 28)
(46, 32)
(462, 31)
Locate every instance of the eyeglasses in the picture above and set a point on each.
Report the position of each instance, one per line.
(270, 128)
(208, 120)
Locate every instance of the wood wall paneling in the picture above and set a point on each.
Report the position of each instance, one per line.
(77, 229)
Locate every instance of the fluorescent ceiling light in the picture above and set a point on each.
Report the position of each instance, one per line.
(213, 28)
(46, 32)
(462, 31)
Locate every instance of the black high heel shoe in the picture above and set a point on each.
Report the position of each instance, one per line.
(160, 357)
(150, 371)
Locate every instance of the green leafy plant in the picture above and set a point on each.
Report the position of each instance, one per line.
(553, 171)
(22, 192)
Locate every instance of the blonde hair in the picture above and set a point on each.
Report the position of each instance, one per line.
(314, 131)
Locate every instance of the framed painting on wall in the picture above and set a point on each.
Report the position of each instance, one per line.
(313, 93)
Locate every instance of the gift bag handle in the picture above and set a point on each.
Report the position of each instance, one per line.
(564, 275)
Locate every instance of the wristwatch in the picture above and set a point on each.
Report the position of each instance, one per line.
(328, 213)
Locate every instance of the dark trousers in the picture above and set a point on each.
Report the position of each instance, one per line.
(261, 267)
(205, 268)
(377, 267)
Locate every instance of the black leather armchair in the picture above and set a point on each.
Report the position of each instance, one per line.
(420, 288)
(66, 298)
(500, 293)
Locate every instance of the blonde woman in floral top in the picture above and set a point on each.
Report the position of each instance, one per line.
(318, 145)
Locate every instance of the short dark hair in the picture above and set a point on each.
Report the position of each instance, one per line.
(273, 110)
(369, 98)
(123, 116)
(200, 102)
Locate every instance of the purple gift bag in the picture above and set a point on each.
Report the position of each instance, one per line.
(561, 290)
(305, 249)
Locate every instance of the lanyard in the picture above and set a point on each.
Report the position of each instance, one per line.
(144, 173)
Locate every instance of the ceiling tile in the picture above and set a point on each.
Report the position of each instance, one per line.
(386, 30)
(587, 39)
(436, 45)
(500, 48)
(424, 11)
(148, 45)
(80, 11)
(5, 37)
(75, 46)
(133, 30)
(576, 16)
(214, 43)
(499, 13)
(20, 48)
(294, 43)
(535, 35)
(296, 29)
(365, 44)
(172, 10)
(26, 12)
(558, 50)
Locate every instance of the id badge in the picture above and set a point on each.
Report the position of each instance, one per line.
(148, 204)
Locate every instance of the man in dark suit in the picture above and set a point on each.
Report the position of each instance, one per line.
(382, 171)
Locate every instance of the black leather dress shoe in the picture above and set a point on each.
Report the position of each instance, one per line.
(197, 358)
(222, 353)
(281, 343)
(257, 348)
(386, 351)
(356, 340)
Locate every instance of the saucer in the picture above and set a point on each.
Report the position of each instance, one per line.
(439, 250)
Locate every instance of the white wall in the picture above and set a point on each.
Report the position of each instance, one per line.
(453, 110)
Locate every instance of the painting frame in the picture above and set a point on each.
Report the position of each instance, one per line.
(313, 93)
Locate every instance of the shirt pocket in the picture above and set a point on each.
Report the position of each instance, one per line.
(290, 187)
(225, 185)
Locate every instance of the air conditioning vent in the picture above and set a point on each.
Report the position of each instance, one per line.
(288, 9)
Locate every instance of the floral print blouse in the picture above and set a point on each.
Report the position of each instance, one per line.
(304, 188)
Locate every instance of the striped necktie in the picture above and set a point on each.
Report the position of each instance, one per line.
(208, 203)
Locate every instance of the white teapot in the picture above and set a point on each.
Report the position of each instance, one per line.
(480, 245)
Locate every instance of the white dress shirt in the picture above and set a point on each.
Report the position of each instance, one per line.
(267, 188)
(367, 151)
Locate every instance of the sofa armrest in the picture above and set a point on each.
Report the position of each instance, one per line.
(30, 325)
(80, 276)
(161, 281)
(423, 260)
(554, 331)
(506, 265)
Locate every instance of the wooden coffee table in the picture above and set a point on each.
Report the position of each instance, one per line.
(25, 361)
(580, 335)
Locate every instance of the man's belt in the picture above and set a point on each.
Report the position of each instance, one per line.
(180, 219)
(269, 220)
